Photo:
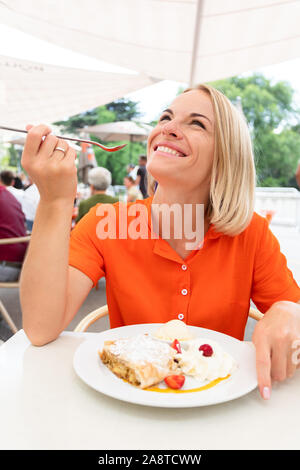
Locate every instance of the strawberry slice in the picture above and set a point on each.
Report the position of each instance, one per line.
(176, 345)
(175, 381)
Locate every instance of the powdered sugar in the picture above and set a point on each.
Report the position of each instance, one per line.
(142, 349)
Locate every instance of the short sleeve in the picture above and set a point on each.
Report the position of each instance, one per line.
(272, 280)
(85, 249)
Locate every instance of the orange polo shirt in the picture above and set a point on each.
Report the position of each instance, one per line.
(148, 282)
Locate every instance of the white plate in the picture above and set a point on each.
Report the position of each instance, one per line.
(90, 369)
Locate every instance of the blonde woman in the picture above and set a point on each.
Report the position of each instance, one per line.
(201, 157)
(133, 192)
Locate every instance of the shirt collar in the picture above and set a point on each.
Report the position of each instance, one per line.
(212, 233)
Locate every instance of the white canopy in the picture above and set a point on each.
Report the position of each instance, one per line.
(182, 40)
(31, 93)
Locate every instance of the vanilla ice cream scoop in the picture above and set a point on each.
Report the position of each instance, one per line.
(173, 329)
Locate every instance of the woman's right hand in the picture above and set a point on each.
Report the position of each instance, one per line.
(53, 171)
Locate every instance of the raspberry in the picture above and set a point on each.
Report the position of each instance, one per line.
(206, 349)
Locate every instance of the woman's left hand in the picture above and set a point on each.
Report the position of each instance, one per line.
(277, 341)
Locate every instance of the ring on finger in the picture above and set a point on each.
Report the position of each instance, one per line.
(61, 149)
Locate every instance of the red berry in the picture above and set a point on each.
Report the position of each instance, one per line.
(206, 349)
(175, 381)
(176, 345)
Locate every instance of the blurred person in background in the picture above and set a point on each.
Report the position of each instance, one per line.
(12, 224)
(132, 170)
(86, 161)
(141, 178)
(133, 192)
(18, 184)
(99, 179)
(28, 199)
(22, 181)
(30, 202)
(8, 179)
(27, 181)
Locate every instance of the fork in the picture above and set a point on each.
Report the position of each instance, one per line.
(103, 147)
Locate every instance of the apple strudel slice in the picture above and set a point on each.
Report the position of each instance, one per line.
(140, 360)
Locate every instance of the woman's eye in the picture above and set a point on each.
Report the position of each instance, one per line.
(165, 117)
(198, 123)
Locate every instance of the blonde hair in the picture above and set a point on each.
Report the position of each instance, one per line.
(233, 178)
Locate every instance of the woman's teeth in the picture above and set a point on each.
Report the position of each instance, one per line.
(168, 150)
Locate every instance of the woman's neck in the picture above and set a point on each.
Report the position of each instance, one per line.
(178, 212)
(181, 196)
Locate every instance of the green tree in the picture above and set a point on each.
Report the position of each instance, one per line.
(73, 123)
(14, 156)
(119, 110)
(124, 110)
(270, 112)
(117, 162)
(4, 161)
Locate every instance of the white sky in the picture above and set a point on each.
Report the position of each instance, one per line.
(152, 100)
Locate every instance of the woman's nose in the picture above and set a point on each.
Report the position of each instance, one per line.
(172, 128)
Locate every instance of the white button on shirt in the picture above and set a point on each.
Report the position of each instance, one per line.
(181, 316)
(184, 267)
(184, 291)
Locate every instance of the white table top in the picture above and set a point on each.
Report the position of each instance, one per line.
(45, 405)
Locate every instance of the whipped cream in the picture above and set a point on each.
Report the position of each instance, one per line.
(193, 362)
(173, 329)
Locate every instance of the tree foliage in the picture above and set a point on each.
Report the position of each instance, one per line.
(124, 110)
(14, 156)
(117, 162)
(70, 125)
(271, 114)
(119, 110)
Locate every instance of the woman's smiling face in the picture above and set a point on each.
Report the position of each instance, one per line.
(181, 146)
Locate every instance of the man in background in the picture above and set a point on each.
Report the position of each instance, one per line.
(99, 179)
(141, 179)
(8, 179)
(28, 199)
(12, 225)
